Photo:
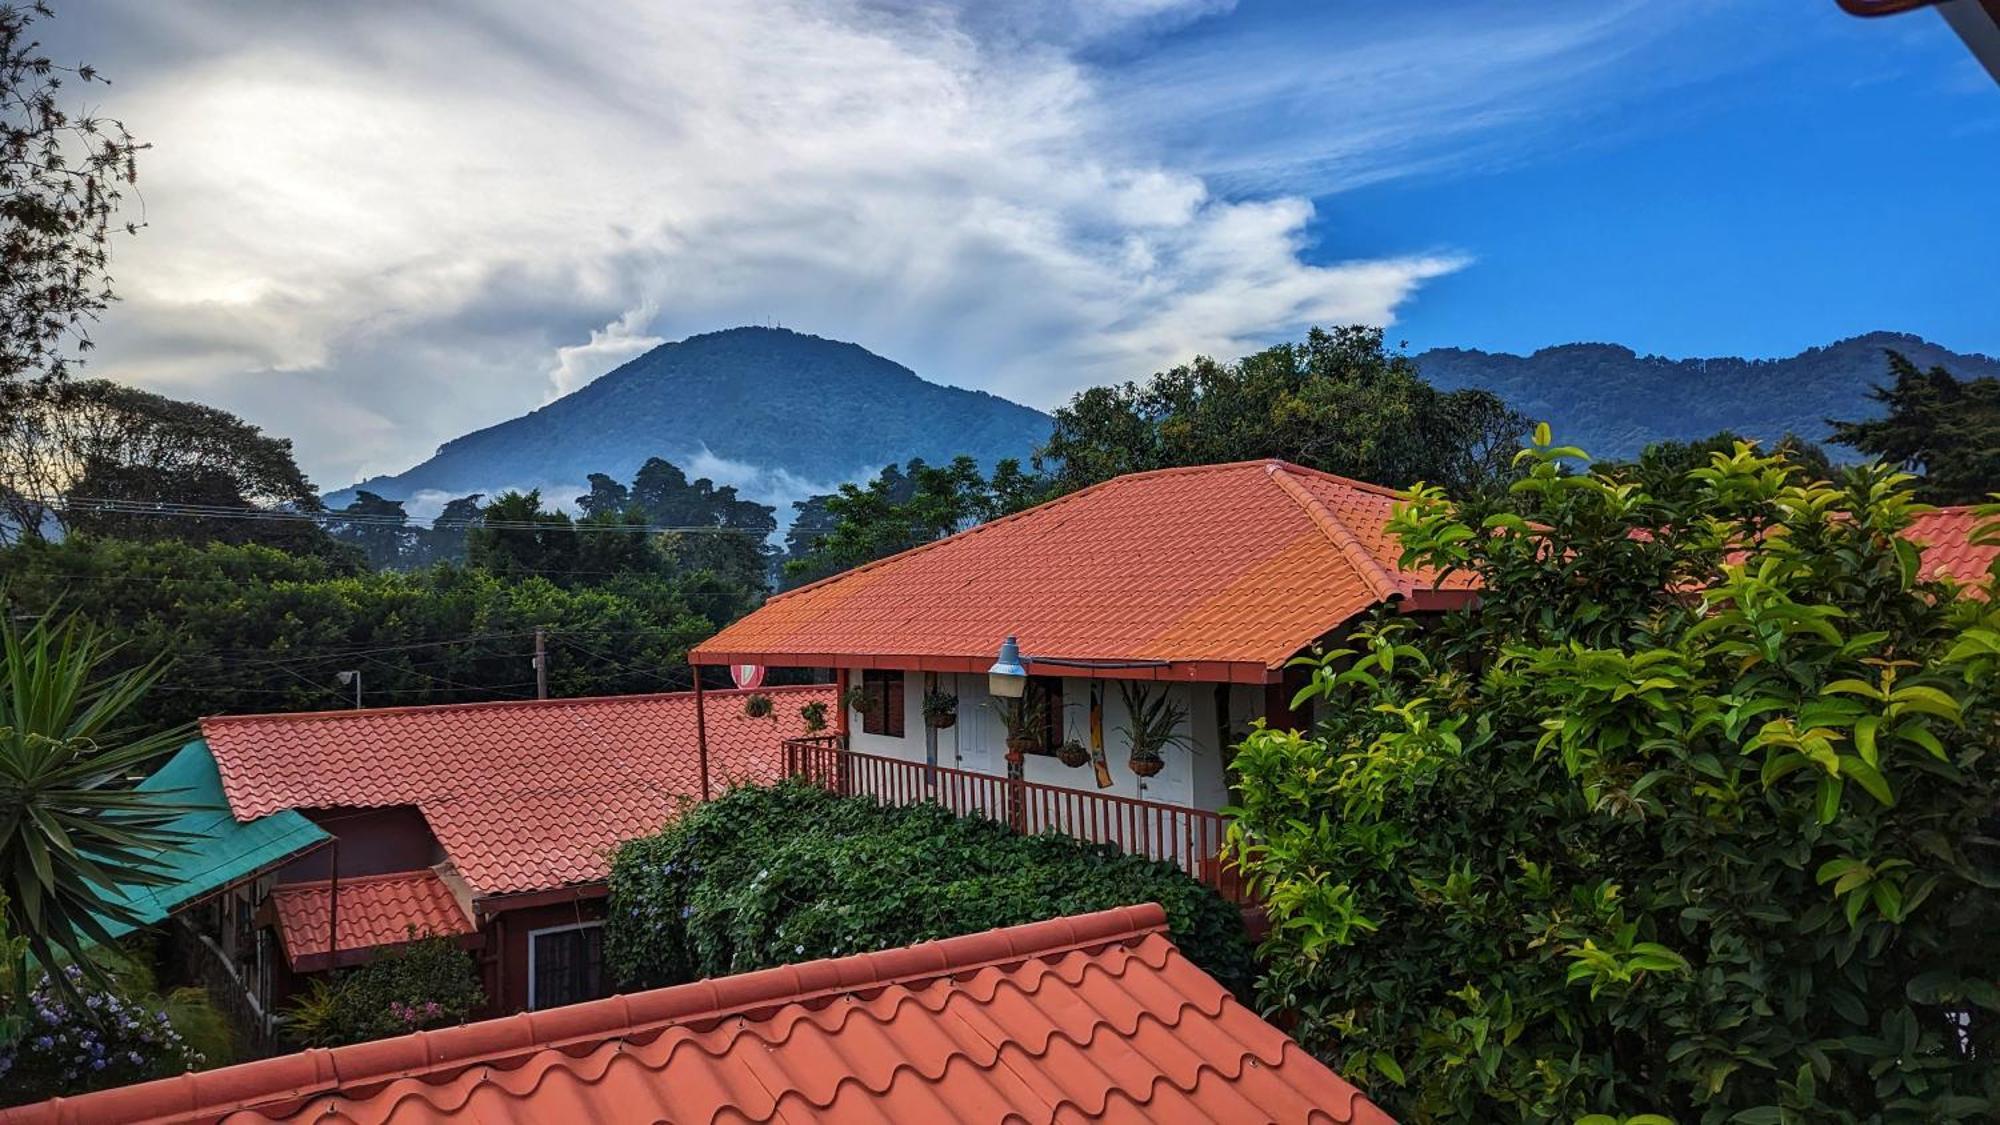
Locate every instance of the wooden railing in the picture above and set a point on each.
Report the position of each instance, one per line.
(1187, 837)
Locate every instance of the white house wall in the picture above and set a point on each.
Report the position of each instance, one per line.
(1193, 775)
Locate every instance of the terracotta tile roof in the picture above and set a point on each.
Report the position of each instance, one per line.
(1234, 566)
(1092, 1017)
(522, 796)
(375, 910)
(1948, 548)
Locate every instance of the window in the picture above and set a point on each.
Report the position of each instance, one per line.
(565, 965)
(1046, 692)
(882, 702)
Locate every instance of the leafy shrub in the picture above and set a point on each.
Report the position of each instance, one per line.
(814, 714)
(757, 705)
(1691, 817)
(768, 876)
(425, 984)
(79, 1037)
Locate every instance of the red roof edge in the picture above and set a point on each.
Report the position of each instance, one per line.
(290, 1078)
(496, 704)
(1385, 584)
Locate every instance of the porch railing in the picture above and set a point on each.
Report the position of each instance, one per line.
(1187, 837)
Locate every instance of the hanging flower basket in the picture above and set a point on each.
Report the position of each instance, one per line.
(1146, 765)
(1073, 754)
(1156, 722)
(1020, 747)
(940, 710)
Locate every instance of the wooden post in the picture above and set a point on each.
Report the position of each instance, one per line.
(333, 912)
(700, 728)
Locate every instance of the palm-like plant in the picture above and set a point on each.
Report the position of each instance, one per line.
(72, 826)
(1155, 725)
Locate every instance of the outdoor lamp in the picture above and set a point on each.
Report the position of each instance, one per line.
(1007, 679)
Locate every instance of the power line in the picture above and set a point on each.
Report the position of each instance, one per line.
(114, 506)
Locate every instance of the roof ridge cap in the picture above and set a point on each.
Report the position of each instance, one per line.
(494, 704)
(307, 1074)
(1385, 584)
(350, 880)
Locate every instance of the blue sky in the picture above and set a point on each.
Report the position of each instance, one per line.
(356, 247)
(1755, 179)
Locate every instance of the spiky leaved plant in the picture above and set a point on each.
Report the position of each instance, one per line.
(72, 826)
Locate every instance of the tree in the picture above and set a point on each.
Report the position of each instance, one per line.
(1938, 426)
(898, 510)
(72, 827)
(94, 457)
(1690, 817)
(1664, 468)
(527, 541)
(61, 181)
(1337, 402)
(380, 528)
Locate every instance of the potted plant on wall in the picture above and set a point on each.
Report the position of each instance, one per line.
(814, 714)
(757, 706)
(1025, 719)
(940, 709)
(1155, 725)
(854, 699)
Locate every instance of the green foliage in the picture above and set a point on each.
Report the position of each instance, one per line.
(1690, 818)
(1156, 720)
(426, 984)
(814, 714)
(1944, 428)
(80, 456)
(898, 510)
(757, 705)
(249, 629)
(769, 876)
(72, 827)
(1338, 402)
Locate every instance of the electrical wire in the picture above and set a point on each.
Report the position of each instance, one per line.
(115, 506)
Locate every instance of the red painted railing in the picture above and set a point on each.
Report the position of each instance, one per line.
(1189, 838)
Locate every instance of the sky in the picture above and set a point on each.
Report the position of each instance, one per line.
(374, 226)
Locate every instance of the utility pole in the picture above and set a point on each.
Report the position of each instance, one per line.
(541, 664)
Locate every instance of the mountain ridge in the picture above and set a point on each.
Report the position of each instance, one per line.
(724, 404)
(1611, 400)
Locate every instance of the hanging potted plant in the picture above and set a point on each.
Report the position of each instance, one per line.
(1025, 720)
(757, 706)
(940, 709)
(814, 714)
(1073, 753)
(1155, 725)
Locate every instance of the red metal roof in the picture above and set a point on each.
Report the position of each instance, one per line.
(375, 911)
(1092, 1017)
(1225, 571)
(522, 796)
(1949, 552)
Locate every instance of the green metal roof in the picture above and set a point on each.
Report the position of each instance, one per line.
(220, 850)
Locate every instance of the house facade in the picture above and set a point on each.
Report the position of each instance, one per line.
(488, 824)
(1187, 592)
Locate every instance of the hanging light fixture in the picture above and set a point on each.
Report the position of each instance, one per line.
(1008, 678)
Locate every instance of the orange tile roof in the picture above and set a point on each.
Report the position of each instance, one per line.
(523, 796)
(1226, 571)
(1949, 552)
(375, 911)
(1097, 1016)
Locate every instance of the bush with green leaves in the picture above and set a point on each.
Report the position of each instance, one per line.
(79, 1036)
(773, 875)
(1692, 816)
(428, 983)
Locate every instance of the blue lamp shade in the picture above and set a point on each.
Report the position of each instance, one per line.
(1008, 678)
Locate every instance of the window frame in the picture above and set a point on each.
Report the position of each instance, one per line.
(534, 1004)
(885, 697)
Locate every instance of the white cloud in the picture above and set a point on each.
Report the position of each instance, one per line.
(376, 226)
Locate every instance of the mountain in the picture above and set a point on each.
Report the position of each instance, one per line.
(777, 413)
(1612, 401)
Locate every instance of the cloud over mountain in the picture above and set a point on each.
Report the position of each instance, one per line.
(376, 225)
